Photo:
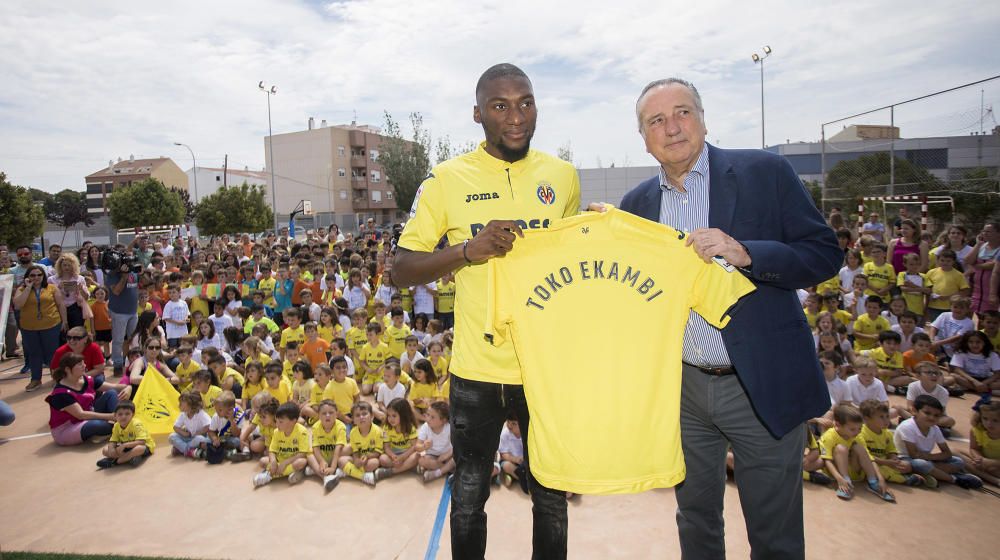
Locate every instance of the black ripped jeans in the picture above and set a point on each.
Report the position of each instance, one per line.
(478, 413)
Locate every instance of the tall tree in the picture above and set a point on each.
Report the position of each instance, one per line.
(23, 220)
(406, 163)
(185, 196)
(241, 209)
(445, 149)
(146, 203)
(67, 209)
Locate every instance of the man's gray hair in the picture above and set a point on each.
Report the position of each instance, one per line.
(663, 83)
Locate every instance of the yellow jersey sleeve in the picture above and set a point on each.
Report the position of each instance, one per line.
(428, 217)
(715, 293)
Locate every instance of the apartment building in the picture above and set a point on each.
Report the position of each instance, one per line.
(123, 173)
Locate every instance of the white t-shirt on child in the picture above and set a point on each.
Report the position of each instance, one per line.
(193, 424)
(908, 431)
(860, 393)
(509, 443)
(915, 389)
(948, 326)
(839, 392)
(176, 311)
(440, 443)
(977, 365)
(387, 395)
(907, 342)
(405, 359)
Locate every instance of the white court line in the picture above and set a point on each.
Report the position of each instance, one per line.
(4, 440)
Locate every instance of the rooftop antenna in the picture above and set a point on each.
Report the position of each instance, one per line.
(354, 122)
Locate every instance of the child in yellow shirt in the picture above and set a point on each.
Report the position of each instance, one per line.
(130, 442)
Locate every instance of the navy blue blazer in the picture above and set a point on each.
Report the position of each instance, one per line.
(757, 198)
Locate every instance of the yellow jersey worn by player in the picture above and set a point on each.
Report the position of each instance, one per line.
(864, 324)
(364, 444)
(343, 393)
(356, 338)
(285, 445)
(398, 441)
(944, 284)
(885, 361)
(209, 396)
(326, 441)
(134, 431)
(288, 334)
(458, 199)
(184, 373)
(644, 276)
(829, 441)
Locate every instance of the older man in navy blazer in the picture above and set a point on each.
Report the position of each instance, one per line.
(751, 385)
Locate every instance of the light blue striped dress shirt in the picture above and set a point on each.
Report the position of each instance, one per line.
(688, 211)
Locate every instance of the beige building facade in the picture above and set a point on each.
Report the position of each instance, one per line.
(334, 167)
(123, 173)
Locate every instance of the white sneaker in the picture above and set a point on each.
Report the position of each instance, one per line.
(261, 478)
(309, 471)
(382, 473)
(296, 477)
(368, 478)
(432, 475)
(330, 482)
(420, 470)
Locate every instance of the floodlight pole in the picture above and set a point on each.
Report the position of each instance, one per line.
(270, 142)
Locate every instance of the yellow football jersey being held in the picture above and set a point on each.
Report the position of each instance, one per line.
(458, 199)
(647, 281)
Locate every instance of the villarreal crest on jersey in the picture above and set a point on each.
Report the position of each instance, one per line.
(595, 309)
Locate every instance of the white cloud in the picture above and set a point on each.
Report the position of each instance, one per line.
(87, 82)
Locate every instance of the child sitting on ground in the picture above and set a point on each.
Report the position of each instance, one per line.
(948, 328)
(877, 439)
(361, 456)
(846, 458)
(290, 445)
(424, 390)
(277, 385)
(224, 431)
(207, 386)
(390, 390)
(342, 390)
(812, 463)
(889, 361)
(864, 386)
(928, 374)
(983, 458)
(130, 442)
(511, 452)
(399, 453)
(975, 366)
(255, 437)
(436, 454)
(329, 437)
(868, 326)
(303, 384)
(916, 439)
(371, 358)
(190, 427)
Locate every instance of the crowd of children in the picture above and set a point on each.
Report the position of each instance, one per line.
(906, 327)
(323, 369)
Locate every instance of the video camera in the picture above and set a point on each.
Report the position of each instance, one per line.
(112, 261)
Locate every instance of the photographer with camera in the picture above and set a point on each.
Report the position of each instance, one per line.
(121, 275)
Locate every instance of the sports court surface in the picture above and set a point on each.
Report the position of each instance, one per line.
(55, 500)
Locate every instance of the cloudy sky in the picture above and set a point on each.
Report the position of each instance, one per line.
(85, 82)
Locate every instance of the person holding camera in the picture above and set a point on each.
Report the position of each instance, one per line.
(122, 282)
(42, 319)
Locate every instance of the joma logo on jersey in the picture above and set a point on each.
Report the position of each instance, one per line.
(481, 196)
(545, 193)
(534, 223)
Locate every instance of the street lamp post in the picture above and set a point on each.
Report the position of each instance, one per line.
(270, 142)
(760, 59)
(195, 162)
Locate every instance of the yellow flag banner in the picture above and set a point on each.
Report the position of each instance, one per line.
(156, 403)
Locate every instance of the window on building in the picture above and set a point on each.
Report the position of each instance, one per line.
(376, 196)
(218, 178)
(388, 195)
(340, 151)
(374, 155)
(376, 176)
(341, 172)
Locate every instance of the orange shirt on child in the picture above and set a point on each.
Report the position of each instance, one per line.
(315, 351)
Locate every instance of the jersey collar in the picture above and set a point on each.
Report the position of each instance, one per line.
(501, 165)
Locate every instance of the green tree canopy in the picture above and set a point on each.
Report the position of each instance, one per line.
(406, 163)
(239, 209)
(853, 179)
(146, 203)
(185, 196)
(66, 209)
(23, 220)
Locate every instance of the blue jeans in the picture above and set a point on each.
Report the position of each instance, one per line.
(104, 403)
(40, 346)
(182, 443)
(923, 466)
(478, 413)
(122, 327)
(6, 414)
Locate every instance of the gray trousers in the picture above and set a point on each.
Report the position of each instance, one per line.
(716, 414)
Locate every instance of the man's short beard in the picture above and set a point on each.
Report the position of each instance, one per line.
(511, 154)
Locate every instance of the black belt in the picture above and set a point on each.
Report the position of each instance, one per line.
(716, 371)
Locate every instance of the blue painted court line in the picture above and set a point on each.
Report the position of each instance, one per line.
(435, 541)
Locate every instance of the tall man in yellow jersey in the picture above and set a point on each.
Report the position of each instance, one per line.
(482, 201)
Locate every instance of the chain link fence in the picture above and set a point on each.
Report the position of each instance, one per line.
(946, 144)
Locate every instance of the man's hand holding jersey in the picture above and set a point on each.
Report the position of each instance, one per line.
(494, 240)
